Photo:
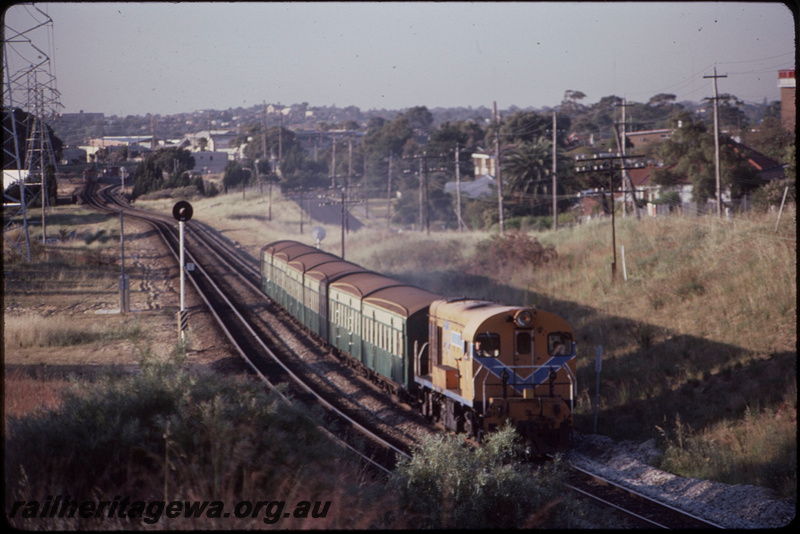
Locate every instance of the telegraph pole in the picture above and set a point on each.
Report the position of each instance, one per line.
(626, 177)
(499, 178)
(458, 189)
(389, 196)
(716, 138)
(264, 147)
(555, 201)
(598, 164)
(422, 187)
(333, 164)
(124, 280)
(424, 204)
(365, 188)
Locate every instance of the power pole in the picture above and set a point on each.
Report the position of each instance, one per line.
(422, 191)
(333, 164)
(716, 138)
(499, 178)
(555, 200)
(389, 196)
(264, 140)
(349, 173)
(458, 189)
(424, 204)
(280, 137)
(626, 177)
(496, 121)
(365, 188)
(606, 164)
(344, 211)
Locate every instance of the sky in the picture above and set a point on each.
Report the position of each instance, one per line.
(166, 58)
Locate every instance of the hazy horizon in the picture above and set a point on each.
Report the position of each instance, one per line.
(169, 58)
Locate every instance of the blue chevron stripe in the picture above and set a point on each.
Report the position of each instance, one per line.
(537, 378)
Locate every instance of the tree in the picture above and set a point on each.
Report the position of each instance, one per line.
(528, 173)
(731, 113)
(419, 119)
(149, 175)
(689, 155)
(234, 175)
(571, 105)
(24, 127)
(770, 137)
(661, 99)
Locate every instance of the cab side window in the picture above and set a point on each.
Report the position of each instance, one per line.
(487, 345)
(559, 343)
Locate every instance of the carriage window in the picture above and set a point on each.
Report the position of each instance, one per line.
(559, 343)
(487, 345)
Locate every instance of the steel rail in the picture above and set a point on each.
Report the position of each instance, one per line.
(635, 493)
(616, 507)
(157, 219)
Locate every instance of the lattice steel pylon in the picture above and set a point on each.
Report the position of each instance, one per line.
(30, 98)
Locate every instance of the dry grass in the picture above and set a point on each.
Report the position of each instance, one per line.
(31, 330)
(705, 326)
(26, 395)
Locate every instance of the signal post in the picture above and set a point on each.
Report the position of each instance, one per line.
(182, 211)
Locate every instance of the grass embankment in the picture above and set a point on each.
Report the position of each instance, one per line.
(699, 343)
(699, 350)
(167, 435)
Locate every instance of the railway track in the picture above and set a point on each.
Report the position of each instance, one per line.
(267, 339)
(638, 508)
(228, 285)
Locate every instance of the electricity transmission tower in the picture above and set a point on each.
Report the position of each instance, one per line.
(30, 98)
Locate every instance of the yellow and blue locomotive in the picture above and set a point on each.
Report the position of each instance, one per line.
(471, 365)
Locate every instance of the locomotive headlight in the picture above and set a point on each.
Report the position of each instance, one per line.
(524, 318)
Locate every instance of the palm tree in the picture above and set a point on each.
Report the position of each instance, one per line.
(527, 169)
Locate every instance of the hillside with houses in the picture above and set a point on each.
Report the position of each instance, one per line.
(446, 158)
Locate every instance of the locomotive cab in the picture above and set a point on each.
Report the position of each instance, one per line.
(489, 364)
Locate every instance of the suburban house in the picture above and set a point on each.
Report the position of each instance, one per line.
(648, 137)
(206, 162)
(215, 141)
(648, 192)
(483, 184)
(136, 144)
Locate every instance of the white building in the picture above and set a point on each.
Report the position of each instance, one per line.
(206, 162)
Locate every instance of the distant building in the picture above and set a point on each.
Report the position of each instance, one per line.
(484, 163)
(210, 162)
(482, 187)
(215, 141)
(788, 86)
(644, 138)
(137, 145)
(72, 154)
(80, 119)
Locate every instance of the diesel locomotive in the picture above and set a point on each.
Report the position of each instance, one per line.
(470, 364)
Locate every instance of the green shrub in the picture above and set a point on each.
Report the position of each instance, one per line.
(448, 484)
(213, 437)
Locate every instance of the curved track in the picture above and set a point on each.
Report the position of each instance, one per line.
(218, 263)
(257, 330)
